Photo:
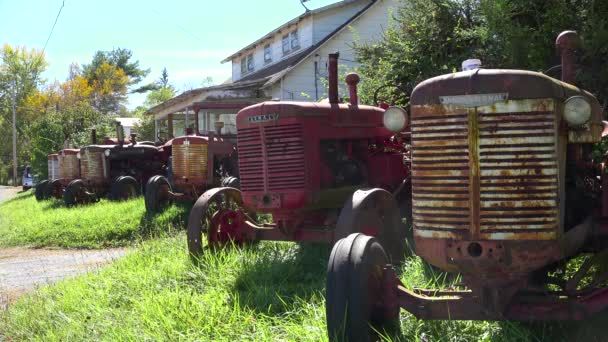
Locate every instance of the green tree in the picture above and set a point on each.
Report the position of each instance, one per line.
(163, 92)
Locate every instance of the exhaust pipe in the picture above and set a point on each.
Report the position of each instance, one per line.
(566, 43)
(93, 136)
(352, 79)
(333, 77)
(120, 134)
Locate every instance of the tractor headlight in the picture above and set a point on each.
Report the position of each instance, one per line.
(107, 153)
(395, 119)
(78, 155)
(577, 111)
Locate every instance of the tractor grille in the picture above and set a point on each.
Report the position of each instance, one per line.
(68, 166)
(53, 168)
(280, 157)
(518, 173)
(285, 157)
(91, 165)
(190, 160)
(485, 175)
(251, 160)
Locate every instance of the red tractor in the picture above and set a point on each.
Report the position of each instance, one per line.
(116, 169)
(304, 164)
(505, 192)
(197, 164)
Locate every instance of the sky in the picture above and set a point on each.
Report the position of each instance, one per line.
(188, 37)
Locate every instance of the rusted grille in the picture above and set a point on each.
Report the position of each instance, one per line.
(488, 173)
(285, 157)
(68, 166)
(53, 166)
(518, 173)
(440, 173)
(91, 165)
(251, 164)
(190, 160)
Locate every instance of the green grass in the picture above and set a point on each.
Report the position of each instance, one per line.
(25, 221)
(265, 292)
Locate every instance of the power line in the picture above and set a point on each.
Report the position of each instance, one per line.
(53, 28)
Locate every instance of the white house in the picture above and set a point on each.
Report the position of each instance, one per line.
(128, 124)
(288, 63)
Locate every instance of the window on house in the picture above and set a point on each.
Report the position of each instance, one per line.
(243, 66)
(267, 54)
(250, 62)
(286, 47)
(295, 40)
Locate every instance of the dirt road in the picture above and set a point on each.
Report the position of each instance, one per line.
(8, 192)
(23, 269)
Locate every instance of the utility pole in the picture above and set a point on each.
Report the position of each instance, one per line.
(14, 133)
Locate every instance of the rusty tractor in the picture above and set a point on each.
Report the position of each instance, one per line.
(505, 192)
(322, 170)
(197, 163)
(117, 169)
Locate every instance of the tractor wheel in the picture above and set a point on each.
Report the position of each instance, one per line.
(76, 193)
(156, 196)
(54, 189)
(374, 212)
(124, 188)
(219, 213)
(354, 288)
(40, 191)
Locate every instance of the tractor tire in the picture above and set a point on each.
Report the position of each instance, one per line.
(54, 189)
(375, 212)
(40, 191)
(124, 188)
(156, 198)
(354, 288)
(74, 193)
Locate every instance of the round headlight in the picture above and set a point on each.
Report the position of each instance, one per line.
(107, 153)
(577, 111)
(395, 119)
(78, 155)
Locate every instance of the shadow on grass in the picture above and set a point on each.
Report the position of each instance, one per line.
(53, 203)
(276, 279)
(174, 219)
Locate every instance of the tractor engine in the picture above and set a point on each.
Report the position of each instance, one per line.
(53, 166)
(490, 171)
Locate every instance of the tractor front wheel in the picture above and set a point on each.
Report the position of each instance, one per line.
(40, 192)
(76, 193)
(374, 212)
(54, 189)
(157, 194)
(218, 212)
(124, 188)
(354, 290)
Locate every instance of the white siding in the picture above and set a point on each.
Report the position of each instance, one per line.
(366, 28)
(327, 22)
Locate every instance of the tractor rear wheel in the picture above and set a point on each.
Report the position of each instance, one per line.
(124, 188)
(354, 288)
(76, 193)
(374, 212)
(157, 191)
(218, 212)
(40, 191)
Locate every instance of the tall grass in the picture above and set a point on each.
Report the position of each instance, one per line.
(25, 221)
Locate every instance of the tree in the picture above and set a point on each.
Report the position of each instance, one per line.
(164, 91)
(20, 74)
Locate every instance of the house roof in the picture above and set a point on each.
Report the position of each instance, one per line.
(287, 25)
(275, 72)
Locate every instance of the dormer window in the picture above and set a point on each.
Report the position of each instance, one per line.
(291, 42)
(267, 54)
(295, 40)
(247, 64)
